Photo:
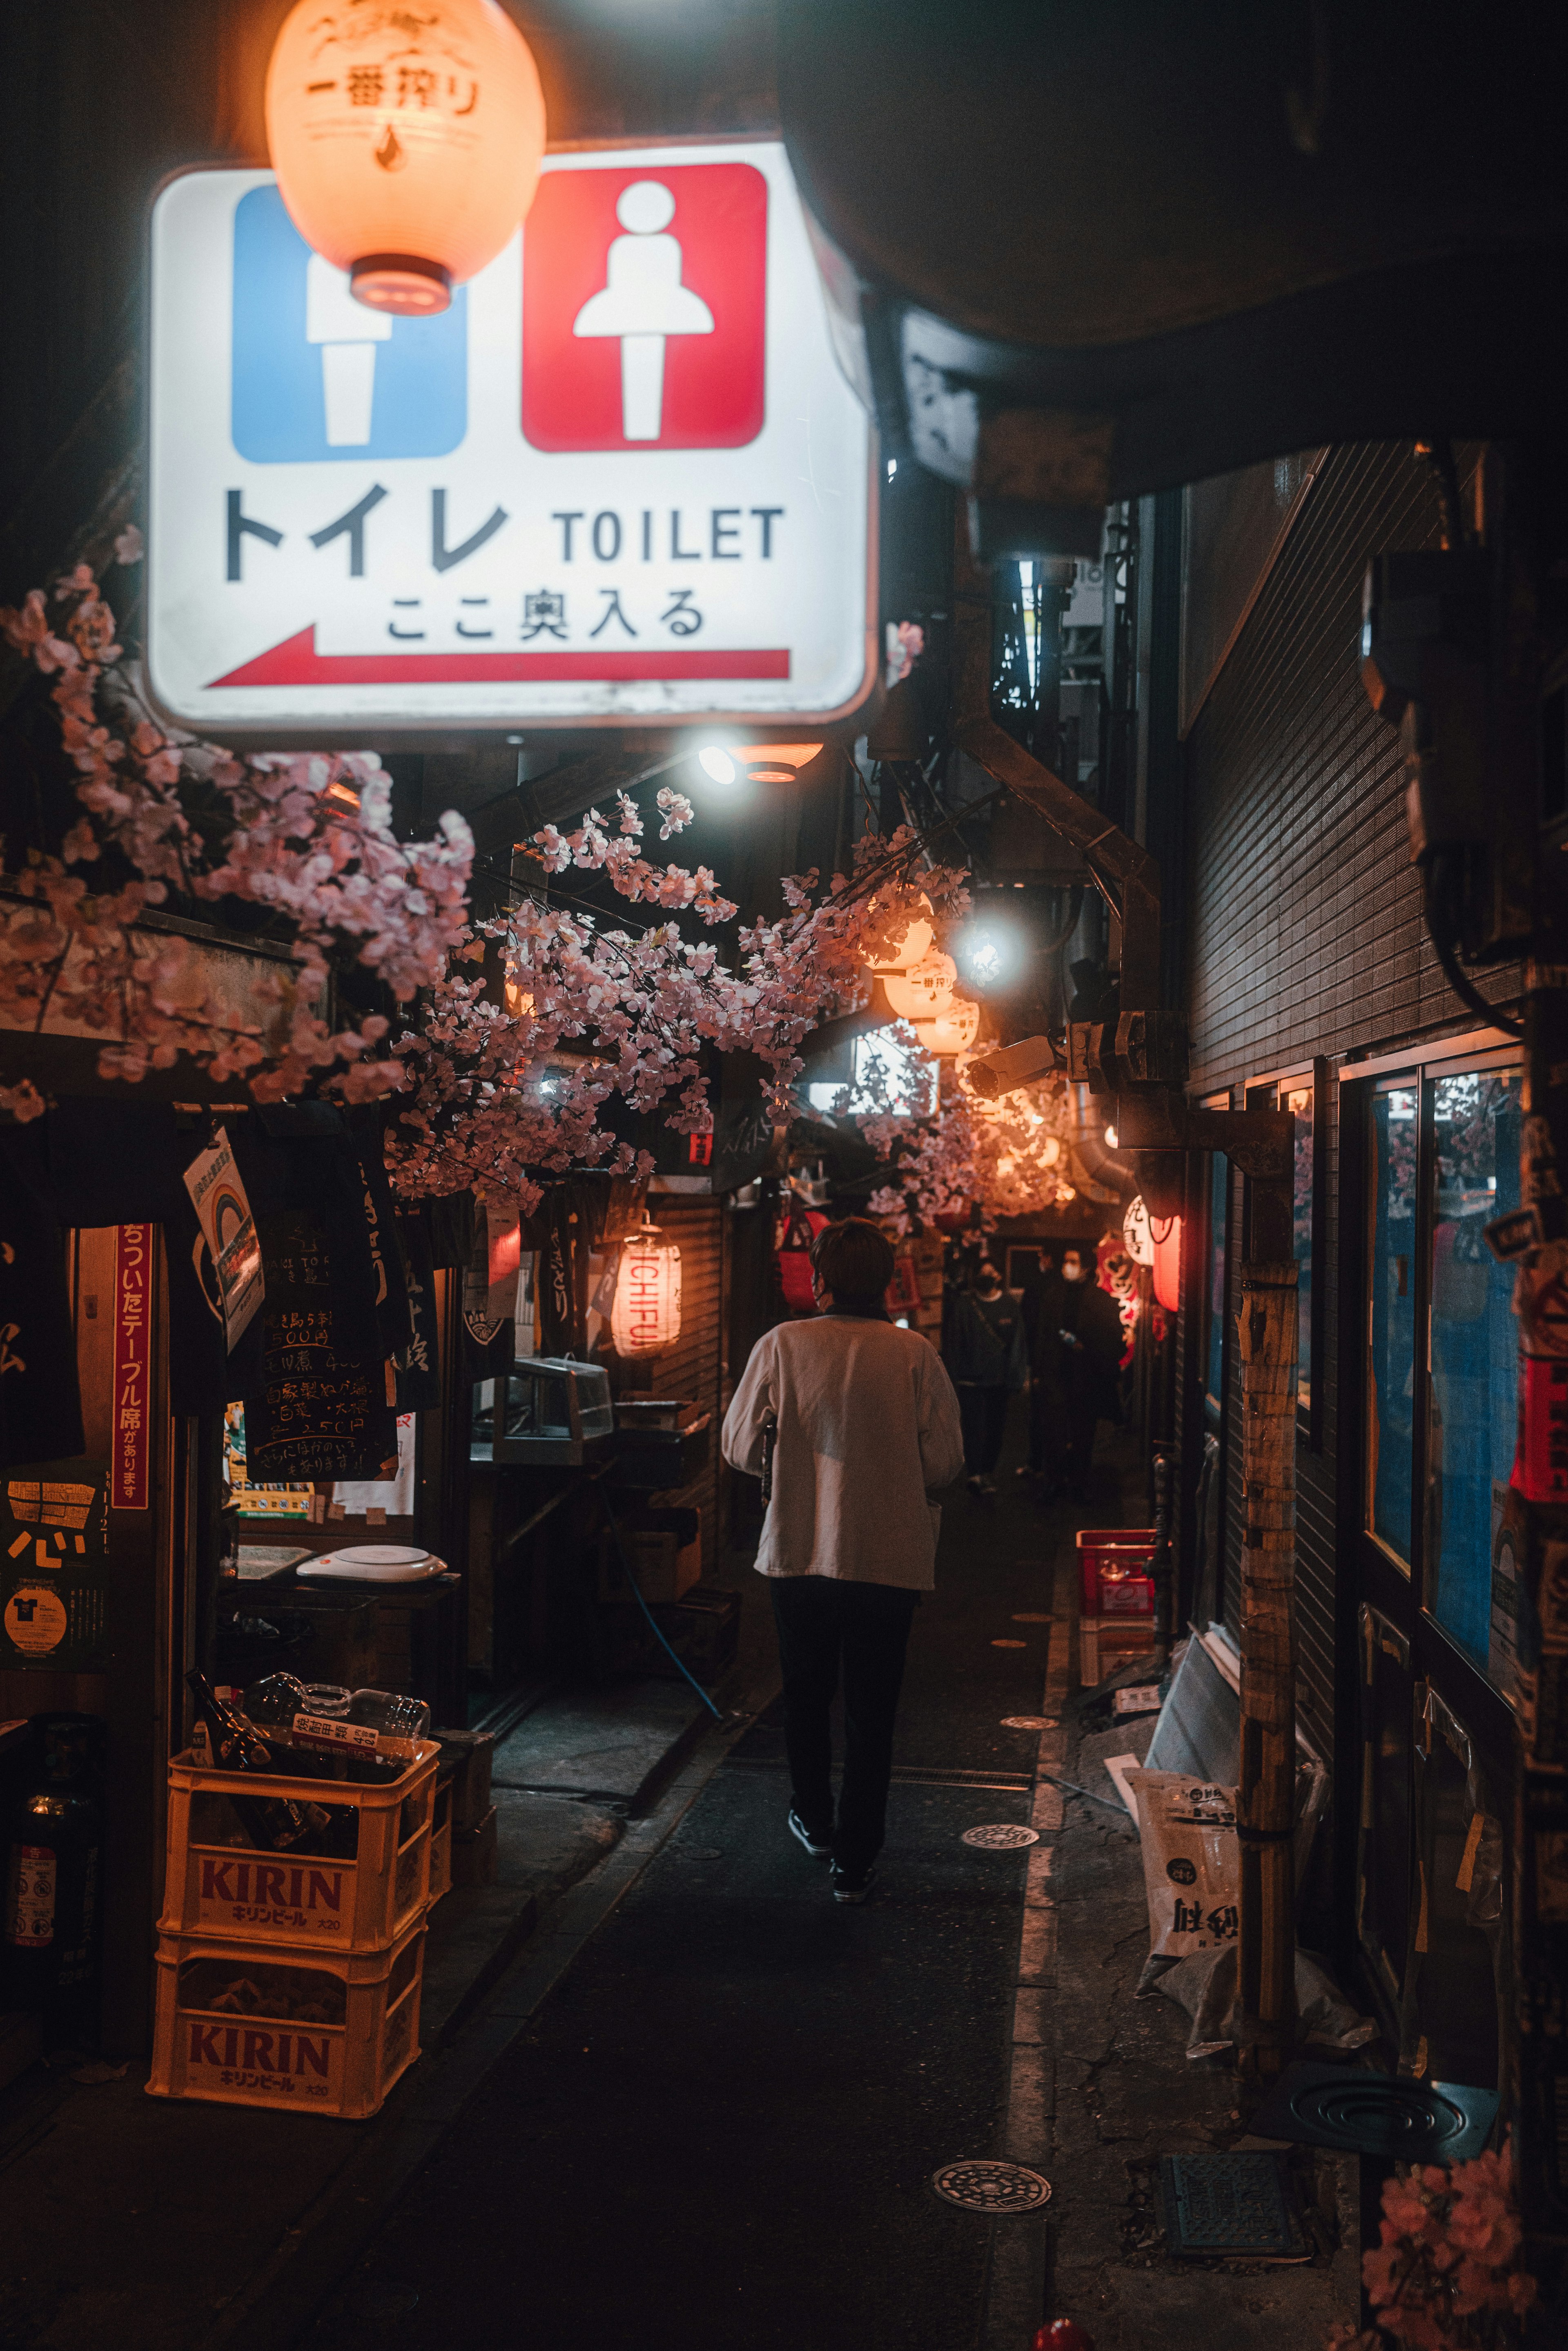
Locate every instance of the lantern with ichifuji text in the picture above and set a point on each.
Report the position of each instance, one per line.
(645, 1318)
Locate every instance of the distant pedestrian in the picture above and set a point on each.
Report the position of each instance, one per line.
(863, 1425)
(989, 1359)
(1043, 1292)
(1078, 1346)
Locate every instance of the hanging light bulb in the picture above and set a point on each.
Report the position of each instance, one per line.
(645, 1318)
(924, 990)
(407, 142)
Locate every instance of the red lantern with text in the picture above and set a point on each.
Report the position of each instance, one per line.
(1165, 1234)
(645, 1318)
(407, 142)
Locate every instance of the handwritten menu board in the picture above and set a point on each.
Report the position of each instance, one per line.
(321, 1411)
(53, 1567)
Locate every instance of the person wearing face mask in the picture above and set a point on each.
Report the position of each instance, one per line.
(1077, 1347)
(988, 1361)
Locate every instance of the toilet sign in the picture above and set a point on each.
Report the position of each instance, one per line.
(622, 479)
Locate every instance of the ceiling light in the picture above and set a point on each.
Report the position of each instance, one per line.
(716, 764)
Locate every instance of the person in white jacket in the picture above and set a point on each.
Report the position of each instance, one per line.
(864, 1424)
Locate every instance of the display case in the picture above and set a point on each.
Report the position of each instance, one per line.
(546, 1412)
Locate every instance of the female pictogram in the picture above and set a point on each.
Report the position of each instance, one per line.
(642, 301)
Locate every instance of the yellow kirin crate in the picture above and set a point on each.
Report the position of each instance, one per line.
(357, 1886)
(256, 2025)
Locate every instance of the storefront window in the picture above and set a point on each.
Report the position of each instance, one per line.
(1298, 1101)
(1471, 1409)
(1391, 1335)
(1219, 1201)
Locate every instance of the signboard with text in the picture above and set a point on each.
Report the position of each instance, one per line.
(622, 479)
(129, 1469)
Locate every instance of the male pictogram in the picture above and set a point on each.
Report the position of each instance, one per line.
(347, 334)
(643, 300)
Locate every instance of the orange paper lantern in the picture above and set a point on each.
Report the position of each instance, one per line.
(924, 990)
(950, 1033)
(909, 944)
(407, 142)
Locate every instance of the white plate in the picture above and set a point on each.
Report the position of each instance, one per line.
(379, 1554)
(361, 1565)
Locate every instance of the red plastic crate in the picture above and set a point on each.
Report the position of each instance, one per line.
(1113, 1564)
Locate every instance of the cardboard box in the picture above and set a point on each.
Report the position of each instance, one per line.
(666, 1567)
(1106, 1642)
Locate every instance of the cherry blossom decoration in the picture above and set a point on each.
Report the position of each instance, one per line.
(306, 834)
(500, 1094)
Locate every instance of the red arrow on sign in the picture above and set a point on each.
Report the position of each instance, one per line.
(295, 662)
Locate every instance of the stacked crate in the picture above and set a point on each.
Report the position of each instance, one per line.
(293, 1980)
(1116, 1597)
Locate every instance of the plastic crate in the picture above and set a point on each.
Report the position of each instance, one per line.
(215, 1883)
(1106, 1642)
(249, 2025)
(1113, 1565)
(441, 1846)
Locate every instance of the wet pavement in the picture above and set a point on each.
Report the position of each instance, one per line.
(720, 2130)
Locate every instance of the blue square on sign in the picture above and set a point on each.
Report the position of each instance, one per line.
(318, 376)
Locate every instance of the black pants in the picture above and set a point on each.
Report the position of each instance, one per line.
(1067, 1445)
(823, 1621)
(983, 1413)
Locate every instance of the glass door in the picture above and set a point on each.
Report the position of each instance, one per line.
(1437, 1153)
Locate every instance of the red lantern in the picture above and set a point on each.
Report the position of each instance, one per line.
(1167, 1239)
(1063, 2335)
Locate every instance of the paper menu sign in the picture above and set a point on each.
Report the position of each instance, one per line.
(228, 1228)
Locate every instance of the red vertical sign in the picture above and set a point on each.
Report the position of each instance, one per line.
(128, 1482)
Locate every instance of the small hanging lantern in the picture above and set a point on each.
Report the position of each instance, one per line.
(950, 1033)
(407, 142)
(1136, 1235)
(1165, 1233)
(923, 991)
(645, 1318)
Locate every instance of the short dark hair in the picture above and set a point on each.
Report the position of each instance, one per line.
(853, 1261)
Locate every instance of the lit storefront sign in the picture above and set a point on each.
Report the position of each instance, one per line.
(621, 479)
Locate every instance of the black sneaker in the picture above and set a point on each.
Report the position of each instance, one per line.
(852, 1886)
(818, 1847)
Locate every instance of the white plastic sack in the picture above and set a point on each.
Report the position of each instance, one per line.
(1192, 1868)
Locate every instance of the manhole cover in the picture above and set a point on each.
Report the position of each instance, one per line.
(999, 2189)
(1377, 2114)
(1226, 2204)
(1001, 1837)
(1010, 1645)
(1029, 1722)
(1029, 1618)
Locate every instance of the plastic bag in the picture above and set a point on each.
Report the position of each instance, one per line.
(1192, 1868)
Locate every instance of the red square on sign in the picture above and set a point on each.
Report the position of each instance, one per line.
(646, 307)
